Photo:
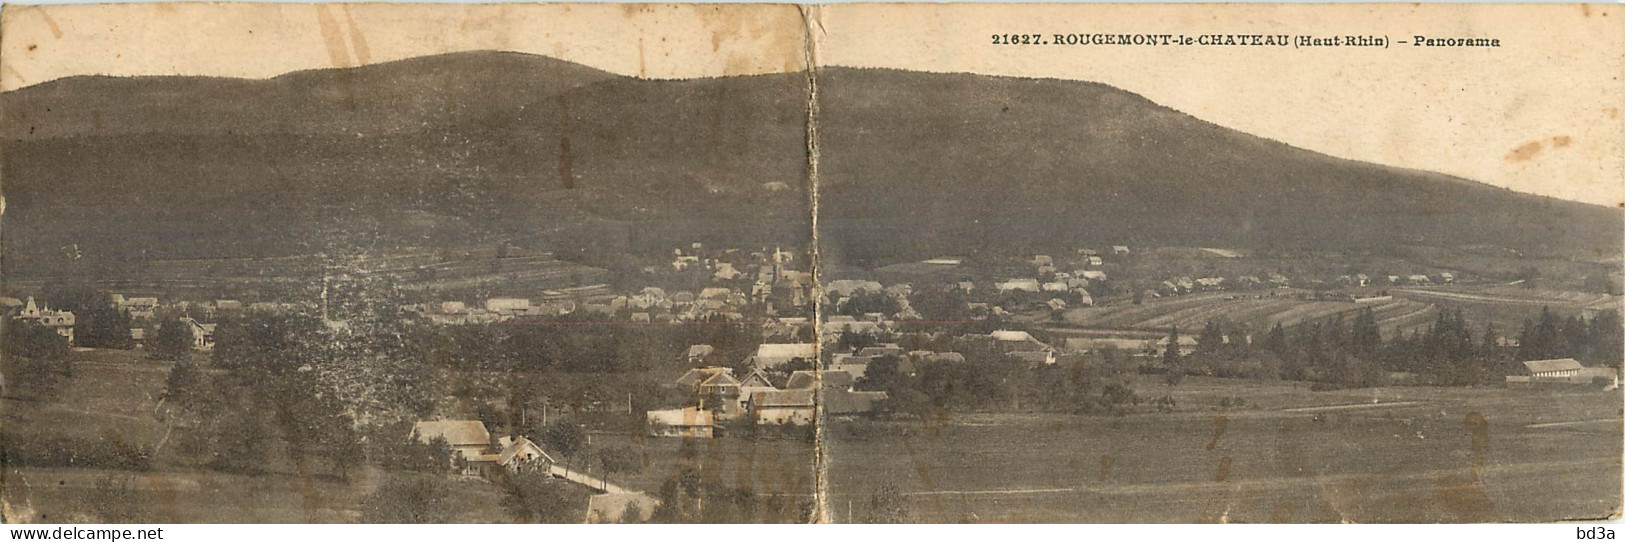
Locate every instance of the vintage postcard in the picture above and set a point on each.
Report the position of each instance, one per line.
(775, 263)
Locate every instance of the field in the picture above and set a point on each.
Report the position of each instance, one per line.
(1258, 309)
(1408, 310)
(763, 466)
(1288, 455)
(113, 397)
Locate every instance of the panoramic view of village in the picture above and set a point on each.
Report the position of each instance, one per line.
(501, 287)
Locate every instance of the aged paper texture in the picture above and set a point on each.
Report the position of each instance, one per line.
(777, 263)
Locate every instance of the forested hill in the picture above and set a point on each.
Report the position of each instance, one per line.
(463, 147)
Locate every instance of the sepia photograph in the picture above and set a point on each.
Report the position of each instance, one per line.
(773, 263)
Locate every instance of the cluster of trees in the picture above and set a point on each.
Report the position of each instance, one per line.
(1342, 353)
(690, 496)
(574, 344)
(411, 499)
(865, 302)
(986, 380)
(29, 340)
(290, 385)
(1597, 341)
(536, 497)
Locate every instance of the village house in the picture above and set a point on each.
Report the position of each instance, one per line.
(522, 455)
(468, 440)
(1022, 346)
(783, 407)
(1019, 285)
(726, 271)
(773, 355)
(1187, 345)
(1119, 250)
(1563, 372)
(885, 349)
(138, 307)
(697, 353)
(831, 379)
(202, 334)
(687, 422)
(60, 322)
(508, 305)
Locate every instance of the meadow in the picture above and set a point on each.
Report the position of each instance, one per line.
(1286, 454)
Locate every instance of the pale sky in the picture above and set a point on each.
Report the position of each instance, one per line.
(1539, 114)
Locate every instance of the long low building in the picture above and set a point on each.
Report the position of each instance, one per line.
(1563, 372)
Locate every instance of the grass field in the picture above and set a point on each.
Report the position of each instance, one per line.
(1290, 455)
(763, 466)
(1409, 310)
(114, 396)
(1258, 309)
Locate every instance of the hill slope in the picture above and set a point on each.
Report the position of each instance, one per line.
(938, 160)
(470, 146)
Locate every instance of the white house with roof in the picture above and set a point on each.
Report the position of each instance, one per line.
(1563, 372)
(60, 322)
(468, 439)
(774, 355)
(690, 422)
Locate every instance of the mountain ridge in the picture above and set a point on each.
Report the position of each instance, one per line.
(516, 143)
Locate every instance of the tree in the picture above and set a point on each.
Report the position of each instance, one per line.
(1366, 337)
(174, 340)
(534, 497)
(185, 387)
(1171, 358)
(882, 374)
(101, 325)
(565, 438)
(418, 499)
(621, 459)
(1275, 342)
(30, 340)
(1210, 340)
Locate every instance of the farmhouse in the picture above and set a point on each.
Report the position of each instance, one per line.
(138, 307)
(522, 455)
(1019, 285)
(467, 438)
(690, 422)
(1563, 371)
(783, 407)
(832, 379)
(774, 355)
(1187, 345)
(885, 349)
